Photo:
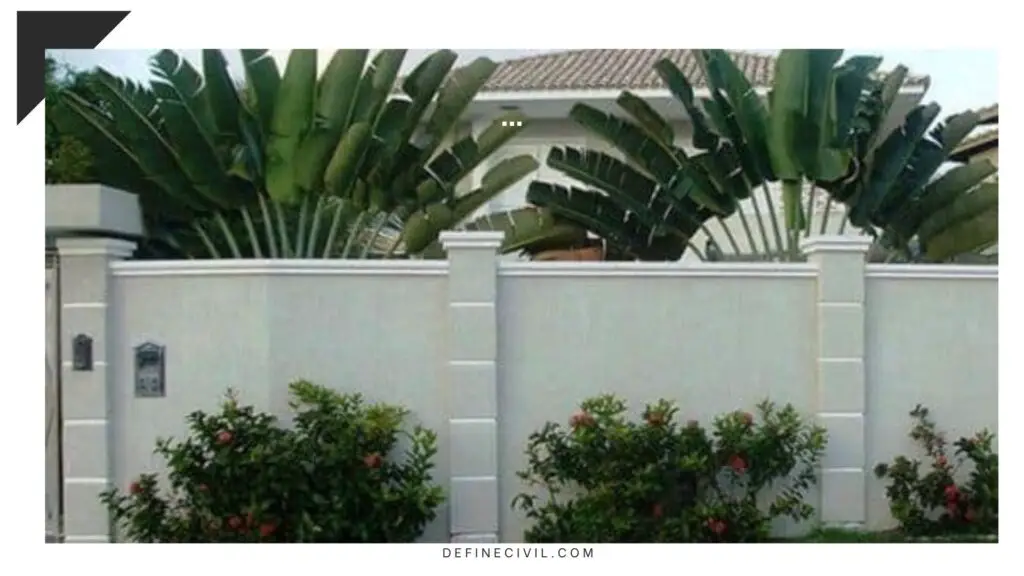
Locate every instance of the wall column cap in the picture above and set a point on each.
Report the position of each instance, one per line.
(836, 243)
(90, 246)
(93, 208)
(464, 239)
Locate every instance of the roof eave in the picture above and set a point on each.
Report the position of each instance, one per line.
(610, 94)
(970, 151)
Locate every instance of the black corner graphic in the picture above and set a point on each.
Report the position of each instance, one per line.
(38, 31)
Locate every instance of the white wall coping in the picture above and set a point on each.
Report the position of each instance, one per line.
(932, 271)
(471, 239)
(656, 270)
(93, 246)
(281, 267)
(835, 243)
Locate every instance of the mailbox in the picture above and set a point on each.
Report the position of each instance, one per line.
(149, 371)
(81, 353)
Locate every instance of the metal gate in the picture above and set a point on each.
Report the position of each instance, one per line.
(54, 435)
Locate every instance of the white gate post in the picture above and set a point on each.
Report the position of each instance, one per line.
(86, 378)
(840, 375)
(472, 385)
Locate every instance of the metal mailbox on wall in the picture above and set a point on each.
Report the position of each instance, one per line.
(150, 372)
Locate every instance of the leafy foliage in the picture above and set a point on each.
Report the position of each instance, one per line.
(608, 479)
(292, 165)
(832, 126)
(242, 477)
(927, 499)
(67, 158)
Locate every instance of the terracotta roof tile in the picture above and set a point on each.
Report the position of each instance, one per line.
(982, 140)
(989, 114)
(976, 144)
(618, 69)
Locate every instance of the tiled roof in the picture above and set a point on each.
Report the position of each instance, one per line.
(981, 141)
(611, 69)
(989, 114)
(974, 145)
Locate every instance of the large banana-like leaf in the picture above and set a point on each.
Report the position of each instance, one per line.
(665, 164)
(529, 230)
(221, 94)
(964, 208)
(456, 163)
(263, 80)
(621, 230)
(190, 126)
(335, 102)
(136, 134)
(293, 114)
(452, 101)
(835, 125)
(891, 159)
(289, 165)
(425, 225)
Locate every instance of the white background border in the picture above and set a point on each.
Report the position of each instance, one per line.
(863, 25)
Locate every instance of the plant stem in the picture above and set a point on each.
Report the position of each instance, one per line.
(746, 228)
(373, 235)
(761, 226)
(228, 235)
(775, 218)
(826, 215)
(300, 232)
(332, 233)
(314, 232)
(810, 209)
(352, 233)
(728, 235)
(250, 228)
(268, 225)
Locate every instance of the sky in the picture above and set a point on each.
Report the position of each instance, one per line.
(961, 78)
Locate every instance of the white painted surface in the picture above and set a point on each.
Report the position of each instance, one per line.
(714, 338)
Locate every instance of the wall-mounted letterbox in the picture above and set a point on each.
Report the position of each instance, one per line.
(149, 371)
(81, 353)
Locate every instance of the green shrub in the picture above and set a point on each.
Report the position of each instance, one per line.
(926, 499)
(608, 479)
(240, 476)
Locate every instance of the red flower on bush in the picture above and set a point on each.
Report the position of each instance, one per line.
(135, 488)
(716, 526)
(266, 529)
(373, 460)
(941, 461)
(235, 523)
(657, 510)
(951, 492)
(203, 488)
(738, 464)
(225, 437)
(581, 420)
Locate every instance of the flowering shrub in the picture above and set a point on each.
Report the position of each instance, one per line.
(608, 479)
(240, 476)
(926, 499)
